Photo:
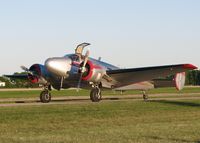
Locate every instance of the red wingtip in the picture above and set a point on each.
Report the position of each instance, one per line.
(189, 66)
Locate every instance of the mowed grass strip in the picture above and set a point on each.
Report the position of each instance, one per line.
(36, 93)
(54, 93)
(105, 122)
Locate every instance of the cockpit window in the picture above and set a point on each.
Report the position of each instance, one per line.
(73, 57)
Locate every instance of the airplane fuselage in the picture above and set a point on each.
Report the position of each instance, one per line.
(68, 68)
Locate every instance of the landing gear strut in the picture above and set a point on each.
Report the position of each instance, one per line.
(95, 94)
(45, 95)
(145, 96)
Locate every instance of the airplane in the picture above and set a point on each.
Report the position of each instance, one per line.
(78, 70)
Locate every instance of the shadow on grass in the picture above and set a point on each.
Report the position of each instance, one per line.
(54, 100)
(173, 139)
(179, 103)
(74, 99)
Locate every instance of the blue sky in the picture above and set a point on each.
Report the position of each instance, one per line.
(128, 33)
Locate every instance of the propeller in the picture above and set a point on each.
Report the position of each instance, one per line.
(26, 70)
(31, 75)
(83, 68)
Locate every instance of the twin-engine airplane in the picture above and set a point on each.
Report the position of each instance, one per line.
(79, 71)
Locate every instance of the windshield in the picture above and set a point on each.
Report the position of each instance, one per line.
(73, 57)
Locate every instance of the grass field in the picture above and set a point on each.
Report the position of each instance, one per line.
(112, 122)
(122, 121)
(36, 93)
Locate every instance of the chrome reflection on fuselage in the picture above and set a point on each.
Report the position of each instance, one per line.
(59, 66)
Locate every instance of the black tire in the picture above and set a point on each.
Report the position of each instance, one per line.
(45, 96)
(95, 95)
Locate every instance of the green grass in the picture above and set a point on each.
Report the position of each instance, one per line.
(105, 122)
(29, 94)
(36, 93)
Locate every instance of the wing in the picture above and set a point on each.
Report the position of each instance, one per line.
(20, 76)
(135, 75)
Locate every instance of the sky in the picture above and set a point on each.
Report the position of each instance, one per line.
(128, 33)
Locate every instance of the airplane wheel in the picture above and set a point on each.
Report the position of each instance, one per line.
(145, 97)
(45, 96)
(95, 95)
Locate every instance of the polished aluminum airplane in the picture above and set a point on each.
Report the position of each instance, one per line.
(80, 71)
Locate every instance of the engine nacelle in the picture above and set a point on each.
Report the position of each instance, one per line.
(93, 73)
(39, 72)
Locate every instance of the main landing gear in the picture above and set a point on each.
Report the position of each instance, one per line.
(145, 95)
(45, 95)
(95, 94)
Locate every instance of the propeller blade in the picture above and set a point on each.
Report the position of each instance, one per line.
(85, 61)
(24, 68)
(79, 82)
(83, 69)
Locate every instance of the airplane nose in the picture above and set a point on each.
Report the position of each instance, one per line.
(59, 66)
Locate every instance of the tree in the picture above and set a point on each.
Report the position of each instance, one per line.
(193, 77)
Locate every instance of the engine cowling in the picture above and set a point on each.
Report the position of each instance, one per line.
(93, 73)
(39, 72)
(59, 66)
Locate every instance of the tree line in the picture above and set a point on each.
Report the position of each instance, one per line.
(193, 77)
